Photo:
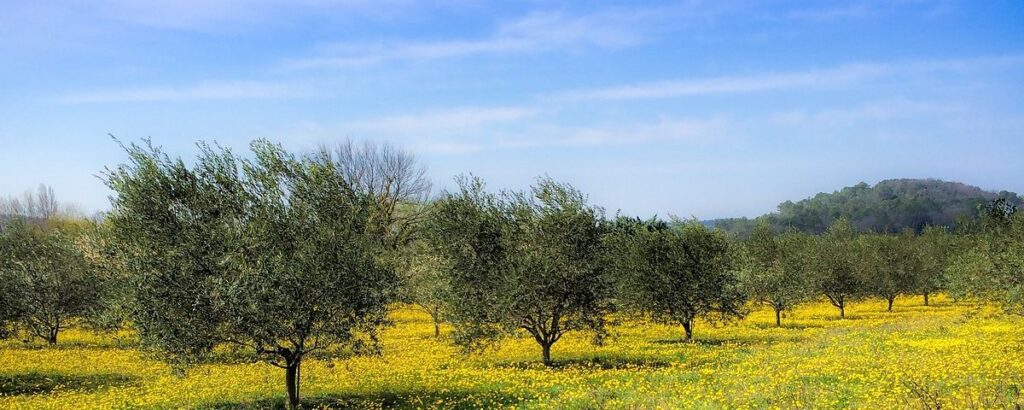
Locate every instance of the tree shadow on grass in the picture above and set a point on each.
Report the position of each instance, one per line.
(788, 326)
(387, 400)
(42, 383)
(714, 342)
(33, 344)
(593, 363)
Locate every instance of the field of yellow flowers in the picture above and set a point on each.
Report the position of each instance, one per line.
(946, 355)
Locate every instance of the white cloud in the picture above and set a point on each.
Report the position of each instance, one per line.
(663, 130)
(843, 75)
(235, 90)
(204, 15)
(448, 121)
(871, 112)
(868, 8)
(537, 32)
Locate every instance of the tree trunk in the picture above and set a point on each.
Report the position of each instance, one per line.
(437, 329)
(52, 337)
(778, 317)
(842, 310)
(688, 328)
(890, 302)
(926, 298)
(291, 380)
(546, 353)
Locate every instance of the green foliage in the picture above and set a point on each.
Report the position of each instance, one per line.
(934, 245)
(47, 282)
(676, 273)
(776, 270)
(424, 281)
(836, 255)
(271, 253)
(890, 206)
(991, 264)
(888, 264)
(521, 261)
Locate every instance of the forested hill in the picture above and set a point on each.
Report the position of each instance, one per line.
(891, 205)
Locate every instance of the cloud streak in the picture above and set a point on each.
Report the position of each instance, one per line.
(843, 75)
(233, 90)
(450, 120)
(538, 32)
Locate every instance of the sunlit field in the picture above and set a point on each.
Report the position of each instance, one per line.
(946, 355)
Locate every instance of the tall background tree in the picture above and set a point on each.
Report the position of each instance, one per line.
(273, 253)
(392, 180)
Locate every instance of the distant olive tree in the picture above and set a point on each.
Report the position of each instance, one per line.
(888, 264)
(48, 283)
(935, 246)
(521, 262)
(776, 271)
(679, 272)
(835, 265)
(424, 281)
(272, 253)
(989, 267)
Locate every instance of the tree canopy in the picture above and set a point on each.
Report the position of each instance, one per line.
(272, 253)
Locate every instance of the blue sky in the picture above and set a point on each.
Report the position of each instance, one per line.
(706, 109)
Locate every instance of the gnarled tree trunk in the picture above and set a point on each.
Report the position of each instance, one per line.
(688, 328)
(546, 353)
(52, 337)
(292, 374)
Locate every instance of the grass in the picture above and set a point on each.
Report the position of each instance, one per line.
(947, 355)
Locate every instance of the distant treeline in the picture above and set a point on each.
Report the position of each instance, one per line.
(891, 205)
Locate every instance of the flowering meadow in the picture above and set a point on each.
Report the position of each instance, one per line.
(946, 355)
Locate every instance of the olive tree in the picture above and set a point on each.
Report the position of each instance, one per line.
(990, 267)
(47, 281)
(521, 262)
(834, 264)
(935, 245)
(887, 264)
(679, 272)
(776, 271)
(271, 253)
(424, 282)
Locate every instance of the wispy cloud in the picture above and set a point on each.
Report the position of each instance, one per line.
(233, 90)
(843, 75)
(861, 9)
(452, 120)
(536, 32)
(662, 130)
(205, 15)
(873, 112)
